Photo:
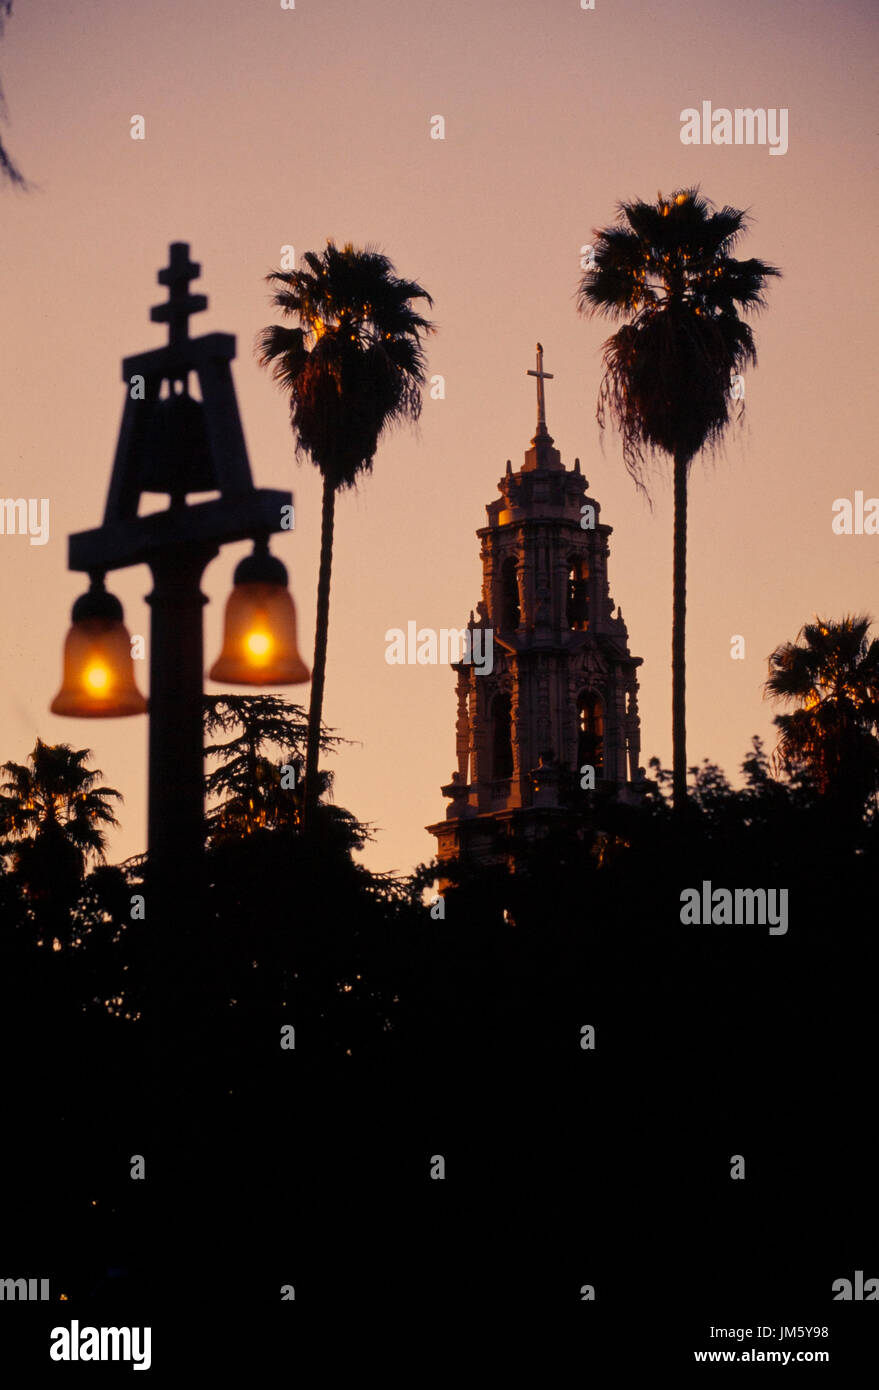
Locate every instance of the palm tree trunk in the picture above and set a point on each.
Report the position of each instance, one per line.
(315, 708)
(678, 639)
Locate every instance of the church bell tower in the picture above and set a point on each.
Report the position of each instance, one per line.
(556, 710)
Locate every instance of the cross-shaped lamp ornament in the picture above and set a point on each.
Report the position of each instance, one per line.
(177, 275)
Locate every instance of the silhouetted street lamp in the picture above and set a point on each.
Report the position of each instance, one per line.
(176, 444)
(171, 442)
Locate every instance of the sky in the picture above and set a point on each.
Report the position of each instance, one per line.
(268, 127)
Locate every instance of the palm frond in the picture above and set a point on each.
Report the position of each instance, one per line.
(665, 269)
(354, 365)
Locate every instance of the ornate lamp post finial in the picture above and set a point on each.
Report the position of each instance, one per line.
(180, 303)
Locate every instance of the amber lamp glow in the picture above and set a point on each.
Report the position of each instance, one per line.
(259, 641)
(98, 679)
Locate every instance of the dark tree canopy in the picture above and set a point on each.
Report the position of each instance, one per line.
(831, 673)
(354, 365)
(54, 815)
(667, 268)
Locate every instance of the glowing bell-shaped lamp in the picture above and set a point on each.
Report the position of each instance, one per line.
(259, 641)
(98, 677)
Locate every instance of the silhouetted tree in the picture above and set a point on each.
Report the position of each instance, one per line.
(53, 819)
(831, 672)
(252, 790)
(666, 268)
(354, 367)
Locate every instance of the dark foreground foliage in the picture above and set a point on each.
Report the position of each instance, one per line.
(461, 1037)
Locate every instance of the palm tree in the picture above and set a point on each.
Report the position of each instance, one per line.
(353, 367)
(8, 168)
(832, 673)
(53, 815)
(666, 268)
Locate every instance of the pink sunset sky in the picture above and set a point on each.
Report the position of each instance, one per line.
(267, 127)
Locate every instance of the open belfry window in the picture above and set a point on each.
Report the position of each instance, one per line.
(578, 595)
(510, 614)
(501, 738)
(590, 724)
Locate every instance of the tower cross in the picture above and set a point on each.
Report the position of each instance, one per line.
(180, 303)
(542, 376)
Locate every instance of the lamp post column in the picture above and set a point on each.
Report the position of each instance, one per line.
(176, 737)
(177, 444)
(180, 996)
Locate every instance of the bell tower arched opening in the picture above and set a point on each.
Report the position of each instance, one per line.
(501, 738)
(590, 731)
(577, 610)
(510, 613)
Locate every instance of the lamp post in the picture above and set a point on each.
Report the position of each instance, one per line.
(177, 444)
(171, 442)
